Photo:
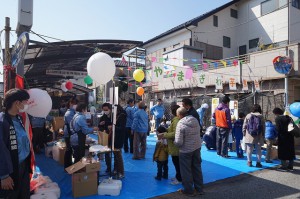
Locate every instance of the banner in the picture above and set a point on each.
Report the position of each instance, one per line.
(233, 106)
(232, 83)
(219, 83)
(214, 104)
(245, 85)
(201, 79)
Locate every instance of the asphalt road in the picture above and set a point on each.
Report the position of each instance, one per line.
(265, 184)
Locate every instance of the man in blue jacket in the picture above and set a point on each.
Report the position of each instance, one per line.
(140, 129)
(158, 111)
(130, 110)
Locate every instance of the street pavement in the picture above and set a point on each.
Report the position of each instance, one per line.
(263, 184)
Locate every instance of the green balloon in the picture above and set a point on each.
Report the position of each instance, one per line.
(88, 80)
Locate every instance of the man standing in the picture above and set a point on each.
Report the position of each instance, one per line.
(223, 123)
(188, 105)
(187, 139)
(140, 129)
(158, 111)
(130, 110)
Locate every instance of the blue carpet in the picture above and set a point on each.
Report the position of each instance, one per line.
(139, 179)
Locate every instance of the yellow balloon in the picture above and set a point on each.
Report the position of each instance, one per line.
(138, 75)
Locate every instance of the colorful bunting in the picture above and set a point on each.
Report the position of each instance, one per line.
(205, 66)
(216, 64)
(235, 62)
(153, 59)
(224, 63)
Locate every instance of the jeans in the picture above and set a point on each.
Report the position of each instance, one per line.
(129, 136)
(162, 169)
(139, 142)
(175, 160)
(222, 141)
(239, 150)
(269, 148)
(250, 150)
(191, 172)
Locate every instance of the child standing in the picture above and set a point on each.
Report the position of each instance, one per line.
(160, 156)
(270, 136)
(237, 132)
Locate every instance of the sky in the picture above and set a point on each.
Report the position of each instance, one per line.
(138, 20)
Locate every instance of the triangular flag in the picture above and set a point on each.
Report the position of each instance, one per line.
(153, 59)
(161, 60)
(224, 63)
(124, 60)
(235, 62)
(216, 64)
(194, 60)
(129, 68)
(196, 66)
(228, 62)
(205, 66)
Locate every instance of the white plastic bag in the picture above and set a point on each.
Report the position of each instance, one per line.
(243, 144)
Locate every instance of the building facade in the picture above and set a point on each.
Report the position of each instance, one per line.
(236, 42)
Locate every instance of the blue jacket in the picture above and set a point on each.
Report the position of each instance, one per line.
(67, 118)
(271, 132)
(158, 111)
(77, 124)
(237, 129)
(130, 114)
(37, 122)
(140, 121)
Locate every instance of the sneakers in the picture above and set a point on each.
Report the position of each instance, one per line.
(249, 164)
(269, 161)
(175, 182)
(290, 168)
(282, 168)
(258, 165)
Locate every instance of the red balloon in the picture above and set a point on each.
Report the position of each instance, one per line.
(69, 85)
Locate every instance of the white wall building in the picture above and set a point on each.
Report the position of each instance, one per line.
(260, 29)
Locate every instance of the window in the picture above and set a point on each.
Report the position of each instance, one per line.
(226, 42)
(296, 3)
(253, 43)
(234, 13)
(272, 5)
(215, 21)
(165, 49)
(243, 50)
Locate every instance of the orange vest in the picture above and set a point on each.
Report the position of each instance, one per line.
(221, 120)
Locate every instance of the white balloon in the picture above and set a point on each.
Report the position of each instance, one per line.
(63, 87)
(40, 103)
(91, 98)
(101, 68)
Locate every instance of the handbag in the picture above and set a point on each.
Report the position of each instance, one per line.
(293, 128)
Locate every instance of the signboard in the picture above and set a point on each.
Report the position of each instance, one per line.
(233, 106)
(19, 50)
(214, 104)
(219, 83)
(282, 64)
(232, 83)
(245, 85)
(256, 85)
(64, 73)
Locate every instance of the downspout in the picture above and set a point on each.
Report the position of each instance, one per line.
(191, 39)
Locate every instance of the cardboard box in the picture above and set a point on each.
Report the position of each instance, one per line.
(84, 178)
(84, 184)
(58, 122)
(58, 154)
(102, 138)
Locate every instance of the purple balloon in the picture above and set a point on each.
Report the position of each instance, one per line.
(295, 109)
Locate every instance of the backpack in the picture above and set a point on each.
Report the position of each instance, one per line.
(254, 126)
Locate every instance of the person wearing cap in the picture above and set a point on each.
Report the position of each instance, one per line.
(158, 111)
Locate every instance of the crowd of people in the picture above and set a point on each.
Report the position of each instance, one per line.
(181, 139)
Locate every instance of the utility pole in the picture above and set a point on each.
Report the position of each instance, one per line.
(7, 63)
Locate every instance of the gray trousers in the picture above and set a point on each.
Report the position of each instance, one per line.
(139, 145)
(250, 151)
(269, 148)
(222, 141)
(191, 172)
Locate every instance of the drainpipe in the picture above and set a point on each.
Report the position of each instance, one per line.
(191, 39)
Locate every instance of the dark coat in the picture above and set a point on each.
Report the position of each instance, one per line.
(286, 147)
(107, 121)
(192, 111)
(120, 130)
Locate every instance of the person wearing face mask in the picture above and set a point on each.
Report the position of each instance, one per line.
(14, 147)
(104, 124)
(79, 129)
(71, 105)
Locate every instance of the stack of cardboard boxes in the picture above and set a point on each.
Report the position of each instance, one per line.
(84, 178)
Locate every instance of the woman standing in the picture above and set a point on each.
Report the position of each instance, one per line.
(172, 149)
(71, 105)
(79, 130)
(286, 147)
(254, 133)
(14, 147)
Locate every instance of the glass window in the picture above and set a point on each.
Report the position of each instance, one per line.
(234, 13)
(296, 3)
(253, 43)
(243, 50)
(268, 6)
(226, 42)
(215, 21)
